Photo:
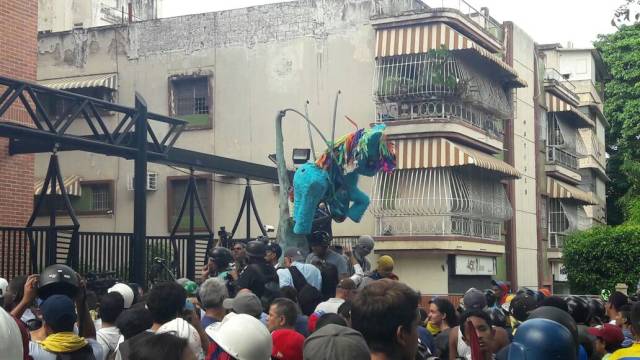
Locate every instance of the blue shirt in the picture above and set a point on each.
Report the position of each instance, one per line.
(310, 273)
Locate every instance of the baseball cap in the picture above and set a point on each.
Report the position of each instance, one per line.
(287, 344)
(336, 342)
(59, 310)
(611, 334)
(126, 292)
(244, 303)
(294, 253)
(474, 299)
(385, 263)
(190, 287)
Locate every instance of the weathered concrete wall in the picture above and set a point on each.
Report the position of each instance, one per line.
(524, 150)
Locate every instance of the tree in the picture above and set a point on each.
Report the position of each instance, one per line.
(621, 53)
(601, 257)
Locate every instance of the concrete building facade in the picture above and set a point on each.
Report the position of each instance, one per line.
(462, 96)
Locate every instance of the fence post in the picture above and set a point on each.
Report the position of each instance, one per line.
(140, 196)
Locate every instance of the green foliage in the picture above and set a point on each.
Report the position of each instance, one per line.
(601, 257)
(621, 53)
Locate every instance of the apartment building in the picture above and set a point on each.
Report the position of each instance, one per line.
(462, 95)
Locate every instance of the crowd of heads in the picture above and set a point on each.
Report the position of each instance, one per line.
(257, 301)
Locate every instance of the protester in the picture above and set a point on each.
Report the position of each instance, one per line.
(632, 352)
(293, 258)
(441, 318)
(616, 301)
(59, 314)
(357, 258)
(212, 294)
(384, 269)
(166, 301)
(287, 343)
(302, 321)
(239, 337)
(501, 289)
(273, 254)
(258, 276)
(111, 306)
(386, 313)
(344, 292)
(320, 253)
(540, 339)
(126, 291)
(163, 346)
(218, 265)
(335, 342)
(609, 338)
(478, 321)
(623, 320)
(134, 325)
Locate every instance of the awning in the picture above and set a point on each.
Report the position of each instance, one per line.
(555, 104)
(71, 184)
(420, 39)
(436, 152)
(78, 82)
(557, 189)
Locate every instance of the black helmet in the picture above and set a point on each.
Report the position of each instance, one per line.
(256, 249)
(221, 256)
(491, 297)
(596, 309)
(498, 317)
(58, 279)
(320, 238)
(578, 308)
(559, 316)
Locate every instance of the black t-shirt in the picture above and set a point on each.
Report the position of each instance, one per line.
(441, 342)
(255, 276)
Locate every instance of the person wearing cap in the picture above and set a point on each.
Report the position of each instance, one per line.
(287, 343)
(608, 339)
(166, 302)
(345, 291)
(320, 252)
(501, 290)
(239, 337)
(258, 276)
(126, 291)
(111, 306)
(245, 302)
(335, 342)
(386, 314)
(294, 257)
(59, 315)
(384, 269)
(632, 352)
(274, 252)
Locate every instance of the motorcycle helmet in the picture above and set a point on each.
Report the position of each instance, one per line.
(58, 279)
(222, 257)
(542, 339)
(561, 317)
(256, 249)
(578, 308)
(498, 317)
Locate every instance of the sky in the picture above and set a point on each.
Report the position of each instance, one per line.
(547, 21)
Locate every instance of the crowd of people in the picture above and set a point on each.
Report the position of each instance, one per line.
(257, 301)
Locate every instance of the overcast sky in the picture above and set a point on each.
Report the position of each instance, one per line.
(547, 21)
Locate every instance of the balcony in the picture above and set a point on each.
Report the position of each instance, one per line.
(439, 226)
(563, 164)
(558, 83)
(595, 152)
(480, 18)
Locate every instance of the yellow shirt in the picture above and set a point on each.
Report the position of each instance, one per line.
(630, 353)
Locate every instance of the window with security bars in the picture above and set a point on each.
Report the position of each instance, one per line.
(97, 198)
(558, 223)
(554, 136)
(191, 97)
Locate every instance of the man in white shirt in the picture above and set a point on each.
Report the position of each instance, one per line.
(111, 305)
(344, 291)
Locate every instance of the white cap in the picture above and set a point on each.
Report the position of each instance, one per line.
(242, 336)
(10, 337)
(126, 292)
(182, 329)
(4, 284)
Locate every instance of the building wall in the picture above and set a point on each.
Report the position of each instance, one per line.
(524, 125)
(579, 64)
(18, 26)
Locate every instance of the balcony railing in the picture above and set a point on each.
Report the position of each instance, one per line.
(554, 75)
(439, 225)
(562, 157)
(593, 146)
(438, 110)
(489, 25)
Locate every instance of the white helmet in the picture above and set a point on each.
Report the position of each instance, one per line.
(242, 336)
(3, 287)
(126, 292)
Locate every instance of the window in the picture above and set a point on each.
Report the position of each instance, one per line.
(176, 190)
(558, 223)
(57, 108)
(96, 199)
(191, 101)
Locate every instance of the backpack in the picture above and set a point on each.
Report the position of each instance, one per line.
(308, 296)
(330, 279)
(271, 285)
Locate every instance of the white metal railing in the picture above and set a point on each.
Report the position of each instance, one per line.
(439, 111)
(593, 145)
(555, 75)
(439, 225)
(489, 25)
(562, 157)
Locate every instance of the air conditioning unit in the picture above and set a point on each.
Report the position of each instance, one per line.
(152, 181)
